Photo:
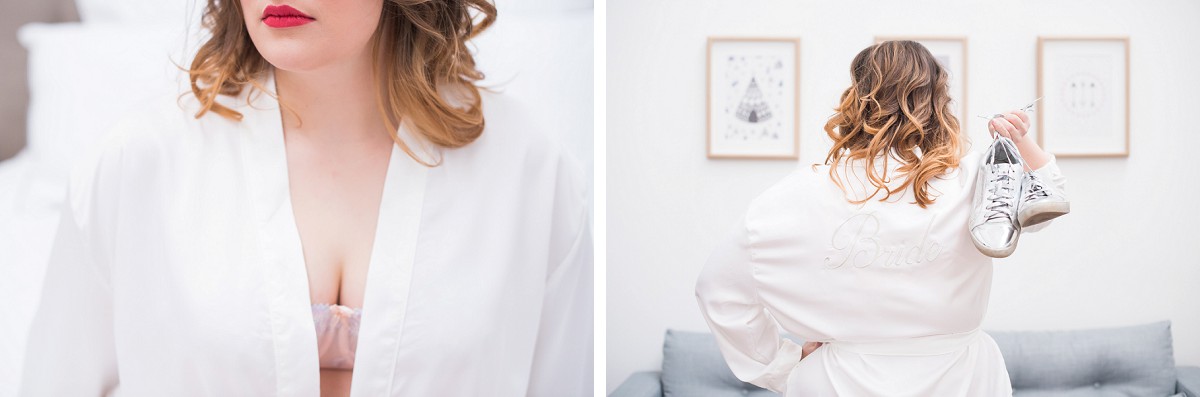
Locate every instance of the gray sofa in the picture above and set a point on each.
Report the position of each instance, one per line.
(1126, 361)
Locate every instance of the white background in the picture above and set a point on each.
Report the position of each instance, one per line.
(1128, 253)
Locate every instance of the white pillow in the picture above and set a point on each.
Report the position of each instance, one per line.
(83, 78)
(140, 12)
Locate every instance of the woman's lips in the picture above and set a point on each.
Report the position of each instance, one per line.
(284, 16)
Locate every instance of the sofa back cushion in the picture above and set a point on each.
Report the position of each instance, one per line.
(1125, 361)
(1135, 361)
(693, 367)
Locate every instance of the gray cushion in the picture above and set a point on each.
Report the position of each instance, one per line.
(640, 384)
(1189, 380)
(693, 367)
(1125, 361)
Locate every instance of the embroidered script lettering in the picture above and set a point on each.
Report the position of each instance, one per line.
(858, 244)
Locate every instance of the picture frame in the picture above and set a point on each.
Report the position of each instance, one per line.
(951, 52)
(1085, 85)
(753, 98)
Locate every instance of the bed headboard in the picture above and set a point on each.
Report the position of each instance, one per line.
(14, 103)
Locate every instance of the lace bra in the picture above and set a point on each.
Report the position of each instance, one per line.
(337, 334)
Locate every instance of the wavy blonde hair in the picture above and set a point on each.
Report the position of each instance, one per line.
(898, 103)
(419, 50)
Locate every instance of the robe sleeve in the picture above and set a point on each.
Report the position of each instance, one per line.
(1050, 173)
(748, 337)
(70, 349)
(562, 362)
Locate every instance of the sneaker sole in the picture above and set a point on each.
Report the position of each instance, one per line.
(998, 253)
(1042, 212)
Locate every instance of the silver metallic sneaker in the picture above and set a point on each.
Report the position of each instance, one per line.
(993, 223)
(1040, 201)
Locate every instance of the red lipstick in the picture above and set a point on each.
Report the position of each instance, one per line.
(284, 16)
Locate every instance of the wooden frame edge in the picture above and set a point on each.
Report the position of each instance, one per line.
(795, 155)
(1128, 95)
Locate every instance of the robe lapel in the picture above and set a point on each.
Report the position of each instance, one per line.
(297, 371)
(389, 275)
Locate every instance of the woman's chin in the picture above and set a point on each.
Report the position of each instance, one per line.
(295, 62)
(298, 55)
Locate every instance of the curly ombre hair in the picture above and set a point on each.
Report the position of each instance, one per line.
(897, 106)
(419, 50)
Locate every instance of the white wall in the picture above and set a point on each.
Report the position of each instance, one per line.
(1128, 253)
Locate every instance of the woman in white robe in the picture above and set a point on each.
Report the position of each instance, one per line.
(889, 296)
(178, 268)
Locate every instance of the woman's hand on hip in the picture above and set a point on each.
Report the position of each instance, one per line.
(808, 348)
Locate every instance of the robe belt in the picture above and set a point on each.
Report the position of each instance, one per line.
(918, 346)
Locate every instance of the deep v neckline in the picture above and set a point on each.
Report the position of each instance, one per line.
(338, 350)
(294, 226)
(389, 269)
(375, 236)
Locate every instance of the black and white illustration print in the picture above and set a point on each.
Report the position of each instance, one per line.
(752, 94)
(1083, 93)
(1084, 85)
(754, 89)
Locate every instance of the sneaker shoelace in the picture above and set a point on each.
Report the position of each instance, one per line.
(1036, 188)
(1000, 207)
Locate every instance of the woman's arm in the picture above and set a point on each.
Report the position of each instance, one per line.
(748, 337)
(70, 350)
(563, 357)
(1015, 126)
(809, 347)
(562, 361)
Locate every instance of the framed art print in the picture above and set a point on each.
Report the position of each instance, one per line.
(951, 54)
(753, 98)
(1085, 85)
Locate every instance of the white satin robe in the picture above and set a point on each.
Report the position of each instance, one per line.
(178, 270)
(897, 292)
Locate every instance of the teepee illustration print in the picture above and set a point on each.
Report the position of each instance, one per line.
(752, 108)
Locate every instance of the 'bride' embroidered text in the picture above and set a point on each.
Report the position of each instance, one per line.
(858, 243)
